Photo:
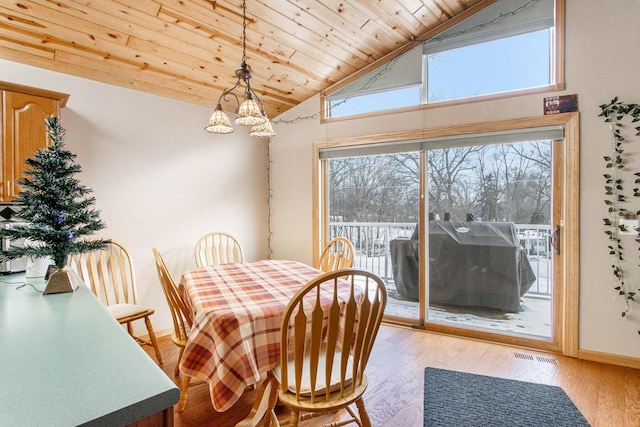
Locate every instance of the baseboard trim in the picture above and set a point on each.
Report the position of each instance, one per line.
(158, 332)
(612, 359)
(163, 332)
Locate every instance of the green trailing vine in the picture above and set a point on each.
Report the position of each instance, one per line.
(616, 198)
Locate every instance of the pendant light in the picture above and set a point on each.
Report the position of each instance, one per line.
(264, 130)
(250, 111)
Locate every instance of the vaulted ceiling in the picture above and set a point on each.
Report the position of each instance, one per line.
(189, 49)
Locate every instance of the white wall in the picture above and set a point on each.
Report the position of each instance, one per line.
(602, 61)
(158, 177)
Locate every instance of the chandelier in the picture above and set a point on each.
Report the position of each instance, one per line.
(250, 111)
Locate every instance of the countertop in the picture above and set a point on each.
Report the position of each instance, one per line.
(65, 361)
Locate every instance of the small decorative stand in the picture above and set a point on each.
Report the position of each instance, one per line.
(62, 280)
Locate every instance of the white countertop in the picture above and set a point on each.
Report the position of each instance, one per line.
(65, 361)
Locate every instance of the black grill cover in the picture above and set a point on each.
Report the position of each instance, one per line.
(471, 263)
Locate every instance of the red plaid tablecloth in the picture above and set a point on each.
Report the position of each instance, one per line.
(237, 312)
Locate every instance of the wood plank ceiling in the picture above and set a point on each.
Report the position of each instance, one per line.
(189, 49)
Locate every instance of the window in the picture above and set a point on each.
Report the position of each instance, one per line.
(506, 47)
(503, 65)
(397, 84)
(375, 101)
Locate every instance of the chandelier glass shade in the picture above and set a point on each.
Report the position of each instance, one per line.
(251, 111)
(219, 122)
(264, 130)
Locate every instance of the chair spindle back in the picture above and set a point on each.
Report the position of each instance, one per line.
(326, 338)
(338, 254)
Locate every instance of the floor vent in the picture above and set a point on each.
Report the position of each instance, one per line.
(547, 360)
(523, 356)
(543, 359)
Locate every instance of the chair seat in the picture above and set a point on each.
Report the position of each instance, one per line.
(305, 402)
(321, 387)
(335, 402)
(129, 311)
(179, 340)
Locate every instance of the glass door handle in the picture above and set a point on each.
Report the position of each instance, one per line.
(554, 239)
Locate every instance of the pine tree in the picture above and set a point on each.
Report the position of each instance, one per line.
(57, 208)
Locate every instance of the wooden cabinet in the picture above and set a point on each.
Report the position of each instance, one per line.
(23, 130)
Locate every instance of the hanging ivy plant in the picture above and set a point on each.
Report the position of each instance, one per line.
(616, 197)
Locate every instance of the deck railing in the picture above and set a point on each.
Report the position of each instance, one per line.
(372, 242)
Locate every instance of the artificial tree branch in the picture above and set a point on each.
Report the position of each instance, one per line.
(57, 208)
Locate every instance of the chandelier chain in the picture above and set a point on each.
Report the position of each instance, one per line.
(244, 31)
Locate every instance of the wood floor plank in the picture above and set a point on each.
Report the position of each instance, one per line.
(632, 397)
(607, 395)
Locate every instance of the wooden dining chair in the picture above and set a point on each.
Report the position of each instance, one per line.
(218, 248)
(182, 321)
(110, 274)
(324, 351)
(337, 254)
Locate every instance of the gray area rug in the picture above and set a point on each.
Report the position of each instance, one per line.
(457, 399)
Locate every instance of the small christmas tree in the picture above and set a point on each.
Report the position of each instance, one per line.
(55, 205)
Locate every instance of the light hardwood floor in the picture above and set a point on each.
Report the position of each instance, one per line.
(607, 395)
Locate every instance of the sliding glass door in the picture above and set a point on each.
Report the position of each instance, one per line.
(489, 237)
(465, 226)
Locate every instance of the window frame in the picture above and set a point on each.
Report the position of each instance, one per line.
(566, 331)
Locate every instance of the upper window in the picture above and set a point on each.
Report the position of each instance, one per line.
(506, 47)
(507, 64)
(375, 101)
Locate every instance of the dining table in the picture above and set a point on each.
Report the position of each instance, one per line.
(237, 310)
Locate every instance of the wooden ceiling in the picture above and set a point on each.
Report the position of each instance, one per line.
(189, 49)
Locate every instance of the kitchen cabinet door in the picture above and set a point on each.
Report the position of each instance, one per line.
(23, 133)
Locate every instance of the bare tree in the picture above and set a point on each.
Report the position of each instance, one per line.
(373, 188)
(448, 177)
(503, 182)
(520, 178)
